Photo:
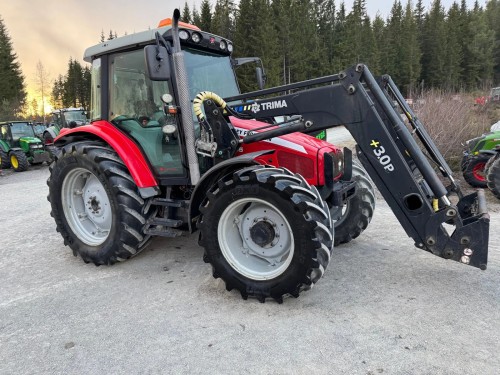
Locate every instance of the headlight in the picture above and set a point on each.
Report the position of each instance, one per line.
(183, 34)
(196, 37)
(223, 45)
(230, 47)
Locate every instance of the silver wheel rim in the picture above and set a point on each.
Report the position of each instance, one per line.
(247, 257)
(343, 213)
(86, 206)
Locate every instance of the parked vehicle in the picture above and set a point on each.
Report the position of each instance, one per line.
(19, 146)
(166, 153)
(64, 118)
(477, 153)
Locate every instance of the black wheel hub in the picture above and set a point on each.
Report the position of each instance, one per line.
(262, 233)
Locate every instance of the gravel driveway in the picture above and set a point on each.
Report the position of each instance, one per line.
(383, 307)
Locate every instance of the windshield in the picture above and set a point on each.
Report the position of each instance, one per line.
(75, 116)
(21, 129)
(210, 72)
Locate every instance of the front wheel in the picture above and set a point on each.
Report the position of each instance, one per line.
(4, 160)
(18, 161)
(266, 232)
(95, 204)
(474, 170)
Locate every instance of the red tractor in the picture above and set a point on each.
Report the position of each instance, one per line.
(174, 146)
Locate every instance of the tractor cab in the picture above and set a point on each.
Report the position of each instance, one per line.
(123, 93)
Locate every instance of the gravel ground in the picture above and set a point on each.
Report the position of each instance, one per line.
(383, 306)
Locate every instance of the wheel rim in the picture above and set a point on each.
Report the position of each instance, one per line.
(341, 212)
(256, 239)
(14, 162)
(478, 172)
(86, 206)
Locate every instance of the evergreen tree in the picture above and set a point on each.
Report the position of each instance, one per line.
(205, 22)
(394, 39)
(196, 17)
(341, 47)
(186, 14)
(454, 56)
(434, 52)
(481, 49)
(223, 18)
(493, 18)
(12, 88)
(410, 73)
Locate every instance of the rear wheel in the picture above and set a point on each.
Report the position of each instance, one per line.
(494, 177)
(266, 233)
(18, 160)
(4, 160)
(95, 204)
(474, 170)
(353, 218)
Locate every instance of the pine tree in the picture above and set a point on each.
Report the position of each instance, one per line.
(410, 57)
(205, 22)
(196, 17)
(454, 56)
(12, 87)
(433, 51)
(481, 49)
(186, 14)
(223, 18)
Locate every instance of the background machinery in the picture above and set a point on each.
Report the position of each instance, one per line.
(19, 146)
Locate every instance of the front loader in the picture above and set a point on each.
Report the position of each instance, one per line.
(174, 146)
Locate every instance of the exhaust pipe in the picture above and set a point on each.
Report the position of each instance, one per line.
(185, 101)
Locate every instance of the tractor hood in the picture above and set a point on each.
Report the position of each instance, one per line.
(29, 140)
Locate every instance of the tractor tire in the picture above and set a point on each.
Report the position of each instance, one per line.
(52, 150)
(266, 232)
(96, 204)
(493, 177)
(463, 163)
(489, 163)
(18, 161)
(474, 170)
(353, 218)
(4, 160)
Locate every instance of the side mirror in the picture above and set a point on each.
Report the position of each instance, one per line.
(260, 77)
(157, 63)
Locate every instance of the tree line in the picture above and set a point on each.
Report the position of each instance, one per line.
(453, 49)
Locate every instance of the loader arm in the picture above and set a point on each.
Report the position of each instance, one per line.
(383, 125)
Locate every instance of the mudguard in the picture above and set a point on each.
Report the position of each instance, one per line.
(126, 149)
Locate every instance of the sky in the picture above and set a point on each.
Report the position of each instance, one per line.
(53, 31)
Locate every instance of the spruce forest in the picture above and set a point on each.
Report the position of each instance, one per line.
(455, 49)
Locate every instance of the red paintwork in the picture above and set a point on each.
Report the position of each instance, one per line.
(126, 149)
(478, 172)
(298, 144)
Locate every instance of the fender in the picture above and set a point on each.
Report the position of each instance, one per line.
(214, 174)
(126, 149)
(51, 131)
(4, 146)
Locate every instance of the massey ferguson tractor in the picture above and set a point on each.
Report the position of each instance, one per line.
(174, 147)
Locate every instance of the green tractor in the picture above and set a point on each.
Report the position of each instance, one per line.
(19, 146)
(478, 151)
(64, 118)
